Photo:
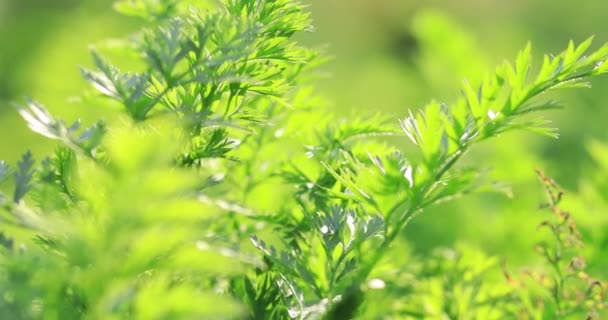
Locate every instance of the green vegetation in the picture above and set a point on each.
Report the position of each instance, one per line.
(220, 188)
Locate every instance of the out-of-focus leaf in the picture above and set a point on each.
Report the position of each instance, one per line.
(182, 301)
(148, 9)
(41, 121)
(4, 171)
(23, 176)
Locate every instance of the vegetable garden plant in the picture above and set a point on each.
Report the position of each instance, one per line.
(223, 189)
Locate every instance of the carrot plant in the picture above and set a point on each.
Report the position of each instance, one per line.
(222, 189)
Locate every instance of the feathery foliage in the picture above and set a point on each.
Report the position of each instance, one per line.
(160, 216)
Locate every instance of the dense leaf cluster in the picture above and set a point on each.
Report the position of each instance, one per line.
(226, 191)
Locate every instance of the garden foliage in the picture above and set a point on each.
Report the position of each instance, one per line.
(225, 190)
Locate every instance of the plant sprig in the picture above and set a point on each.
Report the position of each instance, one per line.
(444, 134)
(159, 215)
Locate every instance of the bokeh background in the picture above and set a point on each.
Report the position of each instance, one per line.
(389, 56)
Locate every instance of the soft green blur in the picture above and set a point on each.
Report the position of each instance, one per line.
(389, 56)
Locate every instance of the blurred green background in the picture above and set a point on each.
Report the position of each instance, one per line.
(389, 56)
